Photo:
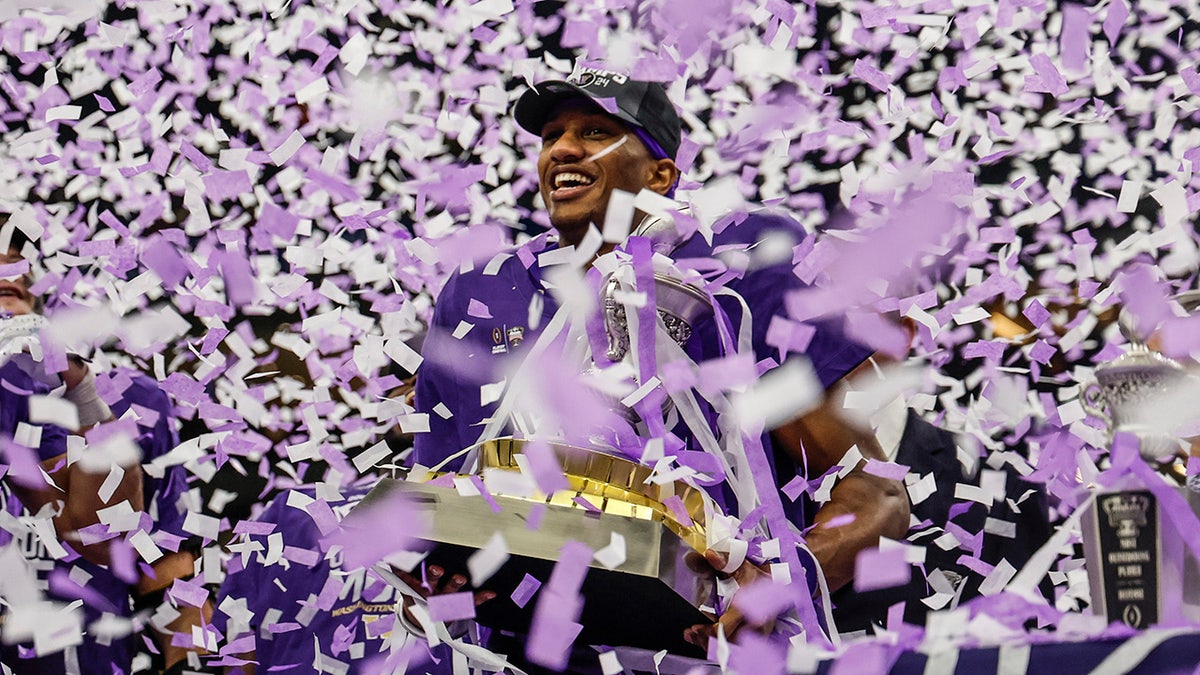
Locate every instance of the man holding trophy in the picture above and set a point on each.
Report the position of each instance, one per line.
(640, 340)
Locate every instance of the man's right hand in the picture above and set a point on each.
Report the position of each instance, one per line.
(732, 619)
(437, 582)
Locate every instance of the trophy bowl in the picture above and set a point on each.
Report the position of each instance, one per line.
(1124, 392)
(680, 306)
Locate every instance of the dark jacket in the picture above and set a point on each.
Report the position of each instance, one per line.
(926, 449)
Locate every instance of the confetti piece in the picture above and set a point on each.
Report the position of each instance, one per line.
(675, 504)
(486, 561)
(610, 664)
(53, 410)
(555, 618)
(452, 606)
(405, 356)
(525, 590)
(888, 470)
(222, 185)
(287, 149)
(543, 467)
(781, 395)
(613, 555)
(877, 568)
(394, 525)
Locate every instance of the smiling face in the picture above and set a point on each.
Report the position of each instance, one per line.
(15, 297)
(574, 186)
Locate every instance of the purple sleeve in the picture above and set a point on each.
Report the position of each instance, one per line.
(54, 440)
(157, 436)
(16, 386)
(443, 438)
(439, 385)
(831, 353)
(497, 308)
(765, 290)
(249, 581)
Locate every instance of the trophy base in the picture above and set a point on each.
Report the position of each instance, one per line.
(647, 601)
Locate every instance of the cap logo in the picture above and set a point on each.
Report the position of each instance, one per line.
(601, 78)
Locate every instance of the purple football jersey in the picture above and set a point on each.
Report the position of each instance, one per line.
(68, 578)
(497, 306)
(298, 610)
(125, 390)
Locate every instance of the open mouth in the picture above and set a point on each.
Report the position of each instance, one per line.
(7, 291)
(567, 183)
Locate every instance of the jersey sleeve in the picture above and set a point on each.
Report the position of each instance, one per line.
(765, 291)
(16, 388)
(157, 436)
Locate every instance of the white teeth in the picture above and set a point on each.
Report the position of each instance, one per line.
(568, 178)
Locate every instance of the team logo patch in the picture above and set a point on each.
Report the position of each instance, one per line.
(589, 77)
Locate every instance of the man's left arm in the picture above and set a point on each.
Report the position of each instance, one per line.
(818, 440)
(83, 486)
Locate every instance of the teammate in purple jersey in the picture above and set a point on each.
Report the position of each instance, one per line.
(143, 395)
(600, 132)
(131, 393)
(288, 603)
(64, 570)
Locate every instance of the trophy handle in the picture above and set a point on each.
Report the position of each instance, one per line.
(1092, 397)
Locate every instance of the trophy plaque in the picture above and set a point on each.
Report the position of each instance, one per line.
(1139, 570)
(1125, 557)
(647, 601)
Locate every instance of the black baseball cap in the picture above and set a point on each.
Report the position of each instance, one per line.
(635, 102)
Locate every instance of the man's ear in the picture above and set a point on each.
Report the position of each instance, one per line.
(663, 175)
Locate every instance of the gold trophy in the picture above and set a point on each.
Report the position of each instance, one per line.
(649, 598)
(645, 601)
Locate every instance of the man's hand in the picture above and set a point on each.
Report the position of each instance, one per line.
(436, 582)
(732, 620)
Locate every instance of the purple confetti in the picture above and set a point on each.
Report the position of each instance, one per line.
(543, 465)
(675, 504)
(223, 185)
(452, 606)
(889, 470)
(190, 593)
(877, 568)
(525, 590)
(1047, 80)
(1114, 20)
(872, 76)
